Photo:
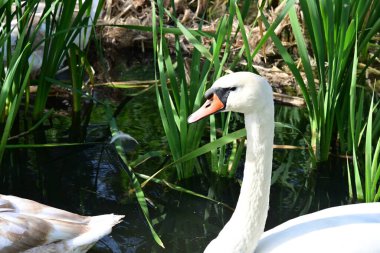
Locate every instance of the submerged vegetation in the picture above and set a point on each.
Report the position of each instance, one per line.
(330, 49)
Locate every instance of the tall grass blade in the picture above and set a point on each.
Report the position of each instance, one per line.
(202, 150)
(135, 182)
(14, 99)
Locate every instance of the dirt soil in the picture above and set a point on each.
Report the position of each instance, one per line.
(120, 43)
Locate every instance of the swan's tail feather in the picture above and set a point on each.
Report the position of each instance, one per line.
(105, 220)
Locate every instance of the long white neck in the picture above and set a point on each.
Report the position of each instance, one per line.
(243, 230)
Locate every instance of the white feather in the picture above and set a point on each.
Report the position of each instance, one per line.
(351, 228)
(28, 226)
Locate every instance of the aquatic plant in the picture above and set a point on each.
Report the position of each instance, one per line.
(64, 26)
(331, 27)
(364, 184)
(185, 88)
(14, 84)
(36, 38)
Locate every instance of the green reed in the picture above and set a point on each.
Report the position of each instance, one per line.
(14, 72)
(35, 40)
(64, 26)
(181, 91)
(331, 27)
(365, 135)
(364, 184)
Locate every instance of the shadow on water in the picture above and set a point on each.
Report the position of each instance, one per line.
(90, 180)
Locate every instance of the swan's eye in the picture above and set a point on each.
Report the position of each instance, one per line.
(232, 88)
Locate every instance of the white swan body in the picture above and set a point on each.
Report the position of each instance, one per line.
(252, 95)
(30, 227)
(350, 228)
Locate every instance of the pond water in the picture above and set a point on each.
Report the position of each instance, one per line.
(91, 180)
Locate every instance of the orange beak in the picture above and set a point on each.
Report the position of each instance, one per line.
(211, 106)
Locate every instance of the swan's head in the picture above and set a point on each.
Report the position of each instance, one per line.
(242, 92)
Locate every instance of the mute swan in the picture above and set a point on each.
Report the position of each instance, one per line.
(30, 227)
(350, 228)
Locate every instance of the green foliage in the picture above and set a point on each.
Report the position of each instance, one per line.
(14, 73)
(11, 95)
(63, 27)
(134, 180)
(182, 89)
(332, 26)
(34, 41)
(177, 101)
(364, 185)
(221, 142)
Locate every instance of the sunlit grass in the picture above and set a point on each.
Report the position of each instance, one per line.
(178, 96)
(331, 26)
(364, 184)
